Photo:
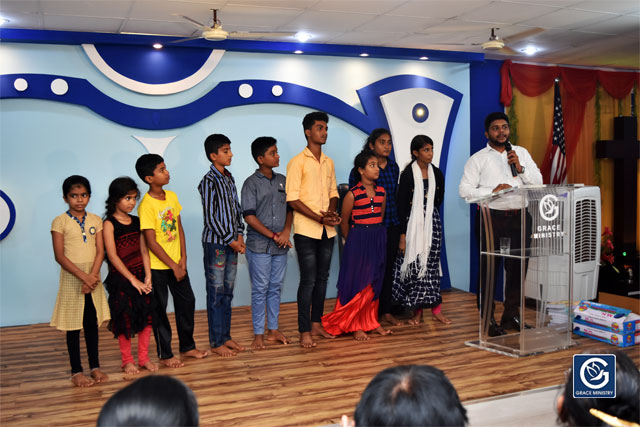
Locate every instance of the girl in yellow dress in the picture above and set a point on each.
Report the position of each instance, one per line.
(81, 304)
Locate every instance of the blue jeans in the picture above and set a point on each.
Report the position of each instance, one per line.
(220, 266)
(314, 259)
(267, 275)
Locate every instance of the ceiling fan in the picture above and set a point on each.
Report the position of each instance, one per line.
(216, 33)
(498, 45)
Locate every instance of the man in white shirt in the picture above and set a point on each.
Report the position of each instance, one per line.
(488, 171)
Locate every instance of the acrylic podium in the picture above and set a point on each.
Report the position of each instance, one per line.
(543, 244)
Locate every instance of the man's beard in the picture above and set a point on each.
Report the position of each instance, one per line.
(496, 142)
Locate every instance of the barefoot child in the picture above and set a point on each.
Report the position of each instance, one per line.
(312, 192)
(81, 302)
(379, 141)
(416, 272)
(264, 207)
(129, 279)
(363, 258)
(161, 226)
(222, 242)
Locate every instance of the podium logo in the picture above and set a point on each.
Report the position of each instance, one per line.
(549, 207)
(594, 375)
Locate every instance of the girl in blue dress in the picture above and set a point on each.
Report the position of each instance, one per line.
(416, 283)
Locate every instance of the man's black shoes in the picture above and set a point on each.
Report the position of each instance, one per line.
(513, 323)
(494, 329)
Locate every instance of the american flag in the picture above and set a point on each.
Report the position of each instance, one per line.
(558, 172)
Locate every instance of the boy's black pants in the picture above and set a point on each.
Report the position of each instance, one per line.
(184, 303)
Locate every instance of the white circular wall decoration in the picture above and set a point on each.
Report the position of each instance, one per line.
(245, 90)
(20, 85)
(276, 90)
(59, 87)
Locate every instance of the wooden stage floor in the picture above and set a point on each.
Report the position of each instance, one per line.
(282, 385)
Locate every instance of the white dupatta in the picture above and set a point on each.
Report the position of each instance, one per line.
(419, 233)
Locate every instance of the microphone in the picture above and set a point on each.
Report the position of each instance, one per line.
(514, 171)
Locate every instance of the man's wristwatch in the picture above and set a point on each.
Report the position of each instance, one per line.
(522, 169)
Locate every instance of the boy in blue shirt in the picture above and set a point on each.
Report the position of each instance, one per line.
(222, 242)
(264, 206)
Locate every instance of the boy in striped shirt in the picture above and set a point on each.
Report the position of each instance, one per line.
(222, 241)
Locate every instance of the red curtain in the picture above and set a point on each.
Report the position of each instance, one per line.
(618, 84)
(577, 86)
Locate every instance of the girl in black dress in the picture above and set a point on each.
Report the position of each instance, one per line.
(129, 279)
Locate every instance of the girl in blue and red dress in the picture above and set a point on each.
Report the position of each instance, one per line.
(129, 279)
(363, 258)
(379, 141)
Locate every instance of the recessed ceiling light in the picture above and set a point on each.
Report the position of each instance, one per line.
(302, 37)
(530, 50)
(364, 54)
(157, 46)
(424, 58)
(298, 52)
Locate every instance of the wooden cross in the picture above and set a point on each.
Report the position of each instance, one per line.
(625, 151)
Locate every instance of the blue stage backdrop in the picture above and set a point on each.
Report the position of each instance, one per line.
(485, 99)
(94, 109)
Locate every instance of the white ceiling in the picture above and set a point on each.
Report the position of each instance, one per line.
(603, 33)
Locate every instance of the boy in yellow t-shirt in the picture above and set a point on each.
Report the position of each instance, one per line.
(159, 213)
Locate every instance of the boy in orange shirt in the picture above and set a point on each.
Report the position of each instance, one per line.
(312, 192)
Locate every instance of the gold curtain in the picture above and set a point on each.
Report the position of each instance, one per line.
(535, 116)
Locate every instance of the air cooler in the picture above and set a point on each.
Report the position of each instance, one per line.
(579, 256)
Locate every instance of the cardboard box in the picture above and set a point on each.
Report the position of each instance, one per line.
(621, 301)
(619, 340)
(606, 317)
